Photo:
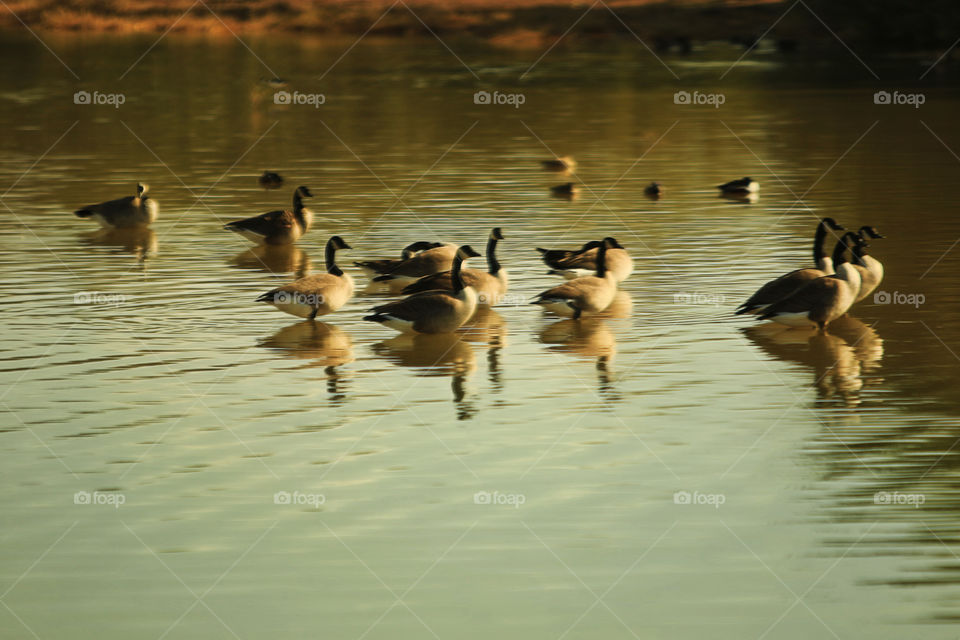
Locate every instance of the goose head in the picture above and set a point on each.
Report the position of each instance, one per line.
(868, 231)
(612, 243)
(304, 192)
(466, 252)
(830, 223)
(496, 234)
(337, 243)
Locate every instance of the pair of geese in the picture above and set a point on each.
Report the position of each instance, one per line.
(820, 295)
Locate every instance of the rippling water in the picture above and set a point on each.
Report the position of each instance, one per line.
(251, 474)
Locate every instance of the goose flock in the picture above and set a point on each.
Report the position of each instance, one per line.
(440, 293)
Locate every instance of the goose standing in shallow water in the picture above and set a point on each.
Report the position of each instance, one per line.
(490, 285)
(590, 294)
(316, 295)
(432, 311)
(871, 269)
(277, 227)
(823, 300)
(790, 282)
(132, 211)
(584, 264)
(385, 265)
(743, 185)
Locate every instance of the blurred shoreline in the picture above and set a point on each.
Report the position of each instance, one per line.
(891, 25)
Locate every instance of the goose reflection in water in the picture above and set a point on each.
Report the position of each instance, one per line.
(440, 354)
(324, 345)
(741, 197)
(589, 338)
(139, 241)
(277, 259)
(488, 327)
(840, 357)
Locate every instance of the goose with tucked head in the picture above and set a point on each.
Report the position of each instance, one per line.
(871, 269)
(385, 265)
(277, 227)
(315, 295)
(790, 282)
(554, 258)
(432, 311)
(618, 261)
(823, 300)
(123, 213)
(589, 294)
(490, 285)
(743, 185)
(422, 264)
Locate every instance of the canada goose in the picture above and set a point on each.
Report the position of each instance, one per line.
(585, 264)
(590, 293)
(432, 311)
(743, 185)
(132, 211)
(270, 180)
(823, 300)
(790, 282)
(490, 285)
(567, 191)
(316, 295)
(553, 257)
(385, 265)
(424, 263)
(653, 190)
(277, 227)
(563, 163)
(871, 269)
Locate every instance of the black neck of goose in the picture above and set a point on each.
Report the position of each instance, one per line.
(493, 266)
(602, 260)
(455, 276)
(818, 240)
(840, 252)
(331, 254)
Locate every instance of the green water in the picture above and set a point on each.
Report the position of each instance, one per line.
(188, 414)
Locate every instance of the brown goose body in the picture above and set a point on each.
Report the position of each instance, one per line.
(490, 285)
(277, 227)
(315, 295)
(123, 213)
(386, 265)
(423, 264)
(589, 294)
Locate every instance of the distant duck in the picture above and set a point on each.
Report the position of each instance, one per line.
(563, 163)
(618, 262)
(871, 269)
(590, 294)
(432, 311)
(743, 185)
(385, 265)
(424, 263)
(275, 83)
(315, 295)
(568, 191)
(490, 285)
(790, 282)
(277, 227)
(270, 180)
(823, 300)
(653, 190)
(132, 211)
